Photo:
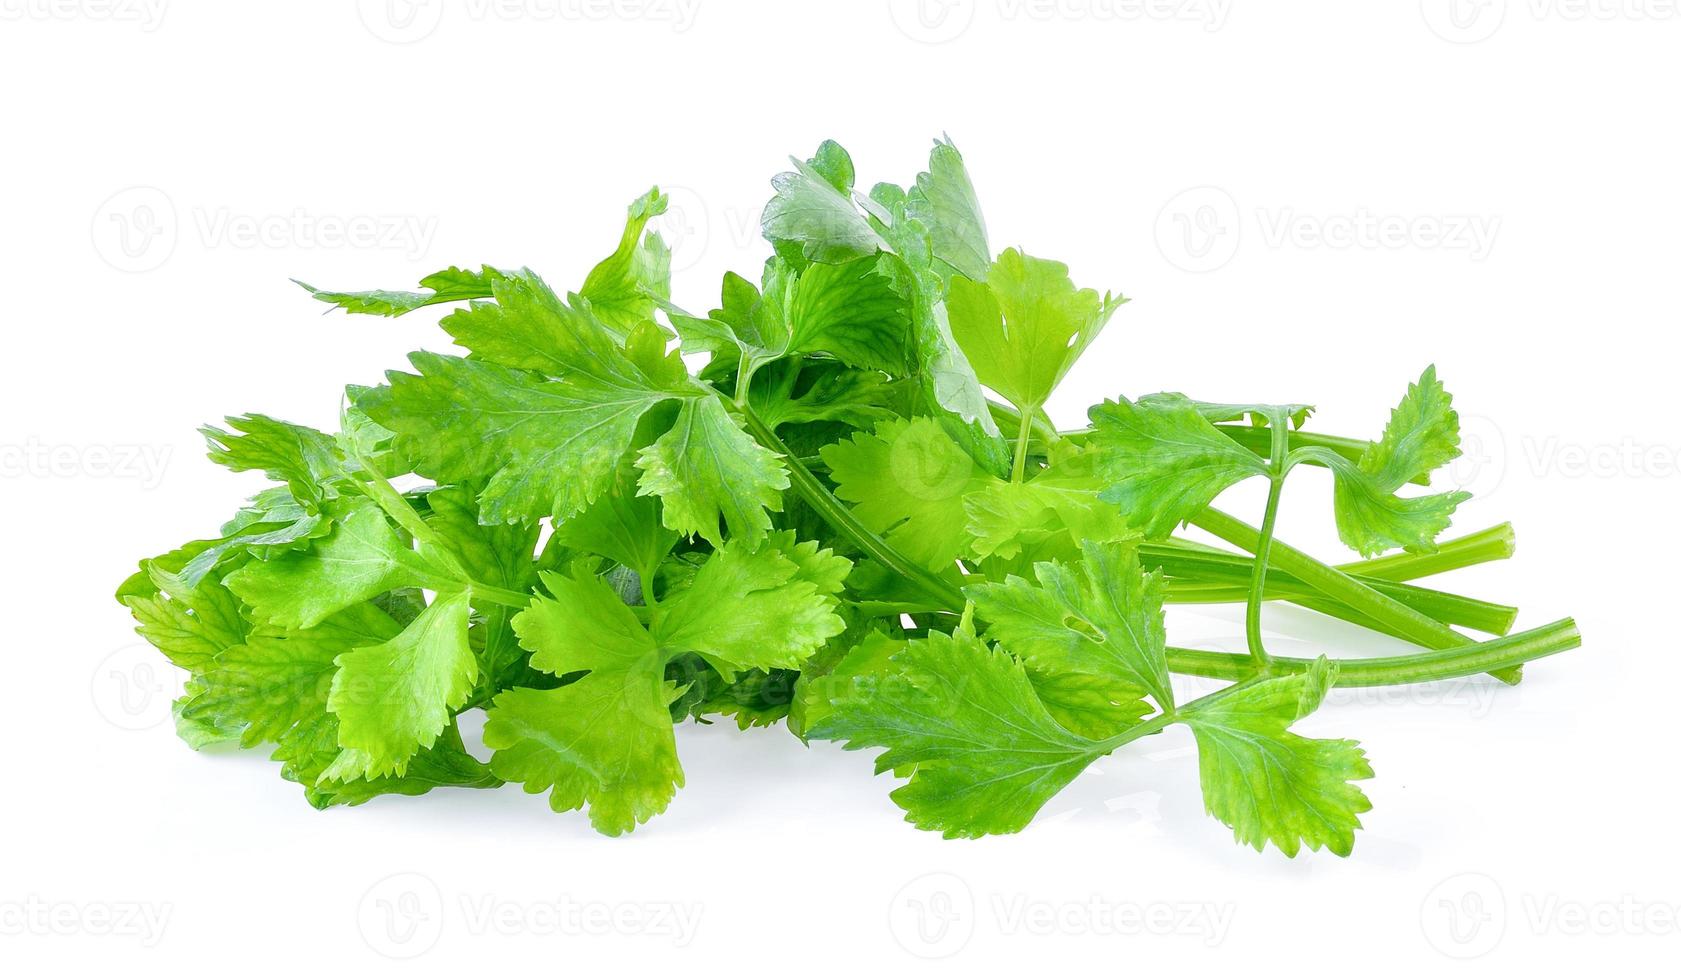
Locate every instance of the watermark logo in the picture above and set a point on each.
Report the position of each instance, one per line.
(932, 21)
(933, 916)
(1468, 915)
(133, 688)
(409, 21)
(1470, 21)
(147, 14)
(139, 228)
(34, 459)
(400, 21)
(1464, 917)
(401, 916)
(1463, 21)
(1199, 229)
(135, 229)
(941, 21)
(404, 916)
(35, 916)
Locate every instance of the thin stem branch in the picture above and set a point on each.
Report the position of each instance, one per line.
(1018, 467)
(1502, 655)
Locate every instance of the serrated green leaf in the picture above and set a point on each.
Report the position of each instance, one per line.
(395, 698)
(1025, 325)
(362, 557)
(1422, 435)
(756, 609)
(307, 460)
(1162, 462)
(987, 755)
(1103, 618)
(944, 200)
(907, 481)
(279, 679)
(708, 474)
(625, 287)
(1270, 784)
(541, 447)
(811, 214)
(452, 285)
(604, 740)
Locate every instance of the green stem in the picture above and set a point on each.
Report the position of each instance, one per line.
(1503, 655)
(1258, 578)
(1198, 573)
(1334, 583)
(1263, 546)
(1018, 468)
(1494, 544)
(841, 518)
(1149, 726)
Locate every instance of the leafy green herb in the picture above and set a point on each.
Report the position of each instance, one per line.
(847, 510)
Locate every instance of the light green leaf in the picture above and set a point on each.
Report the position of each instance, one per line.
(1089, 705)
(756, 609)
(529, 327)
(1105, 619)
(363, 557)
(621, 526)
(907, 481)
(279, 679)
(452, 285)
(1422, 435)
(626, 286)
(852, 311)
(986, 754)
(812, 214)
(542, 446)
(395, 698)
(1046, 518)
(1268, 783)
(944, 200)
(1025, 326)
(1162, 462)
(306, 460)
(1372, 519)
(604, 740)
(706, 471)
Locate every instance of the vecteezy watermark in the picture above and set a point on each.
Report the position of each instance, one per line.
(1487, 456)
(34, 459)
(408, 21)
(403, 916)
(1468, 915)
(1627, 458)
(934, 916)
(36, 916)
(145, 14)
(939, 21)
(137, 230)
(1200, 229)
(1470, 21)
(1475, 696)
(133, 688)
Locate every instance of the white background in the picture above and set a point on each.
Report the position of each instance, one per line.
(1206, 159)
